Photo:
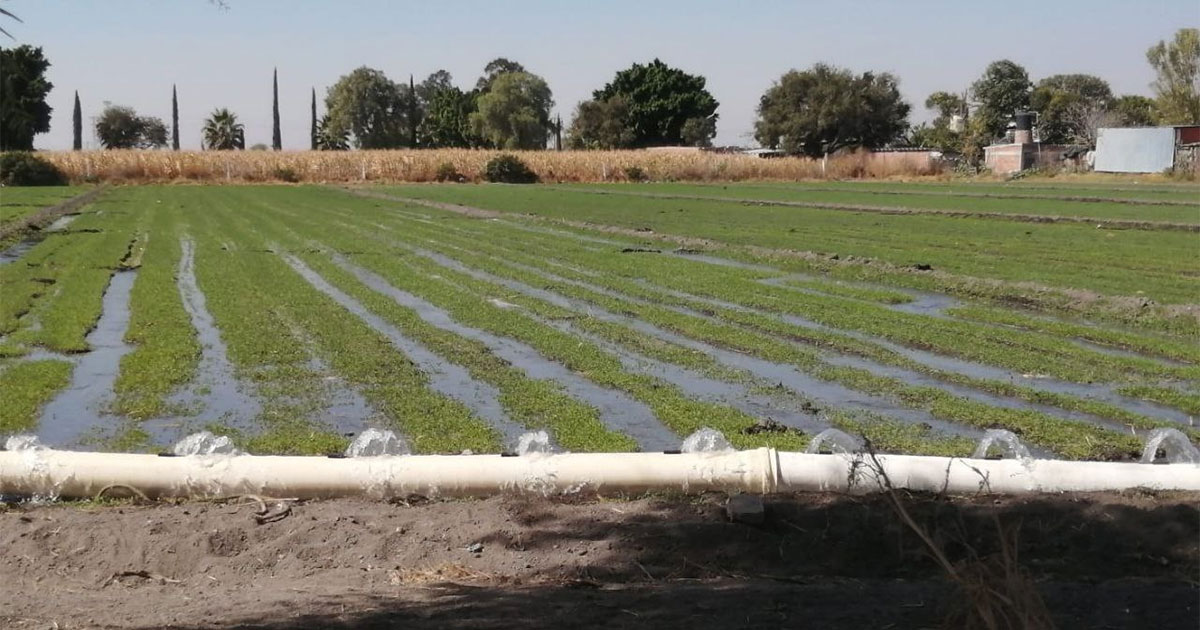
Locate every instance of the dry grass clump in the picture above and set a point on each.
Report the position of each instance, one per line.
(423, 166)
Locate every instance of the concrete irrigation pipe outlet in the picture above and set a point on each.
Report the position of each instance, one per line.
(69, 474)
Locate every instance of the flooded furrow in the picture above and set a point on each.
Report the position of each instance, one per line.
(79, 414)
(1096, 392)
(618, 411)
(1092, 391)
(826, 393)
(923, 303)
(707, 389)
(346, 410)
(216, 393)
(446, 378)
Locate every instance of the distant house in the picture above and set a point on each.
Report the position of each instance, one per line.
(1147, 149)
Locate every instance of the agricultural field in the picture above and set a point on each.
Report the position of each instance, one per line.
(615, 317)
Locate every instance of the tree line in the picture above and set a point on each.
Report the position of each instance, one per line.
(813, 112)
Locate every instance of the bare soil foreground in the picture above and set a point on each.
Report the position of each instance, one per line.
(1125, 560)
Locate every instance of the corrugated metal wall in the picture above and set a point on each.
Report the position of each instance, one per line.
(1140, 150)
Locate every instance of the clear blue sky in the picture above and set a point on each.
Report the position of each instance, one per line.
(129, 52)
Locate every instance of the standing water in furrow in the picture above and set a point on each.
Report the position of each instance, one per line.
(444, 377)
(829, 394)
(217, 390)
(618, 410)
(79, 413)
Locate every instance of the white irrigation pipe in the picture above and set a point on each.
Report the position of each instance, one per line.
(70, 474)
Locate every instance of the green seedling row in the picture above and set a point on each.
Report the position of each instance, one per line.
(25, 387)
(1015, 203)
(1067, 437)
(277, 363)
(167, 351)
(1059, 255)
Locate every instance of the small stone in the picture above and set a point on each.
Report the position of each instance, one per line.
(746, 508)
(475, 548)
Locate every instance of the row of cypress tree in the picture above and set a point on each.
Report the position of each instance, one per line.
(276, 136)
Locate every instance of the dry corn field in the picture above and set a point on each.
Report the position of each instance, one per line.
(422, 165)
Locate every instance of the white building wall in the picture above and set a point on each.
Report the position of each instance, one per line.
(1135, 150)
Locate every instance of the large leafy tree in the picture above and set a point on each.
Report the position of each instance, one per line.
(120, 127)
(1069, 105)
(601, 124)
(660, 100)
(946, 105)
(820, 110)
(370, 108)
(1132, 110)
(1002, 91)
(447, 121)
(223, 132)
(495, 68)
(515, 112)
(23, 89)
(1177, 86)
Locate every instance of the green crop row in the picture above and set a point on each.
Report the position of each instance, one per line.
(887, 434)
(26, 386)
(252, 291)
(1014, 203)
(936, 399)
(167, 351)
(60, 283)
(670, 405)
(1137, 342)
(885, 250)
(846, 344)
(1021, 351)
(1068, 437)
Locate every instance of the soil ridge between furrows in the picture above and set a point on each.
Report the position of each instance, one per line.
(46, 216)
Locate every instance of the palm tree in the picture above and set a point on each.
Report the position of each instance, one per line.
(223, 132)
(331, 138)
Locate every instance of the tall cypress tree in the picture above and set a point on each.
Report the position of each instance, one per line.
(174, 120)
(312, 132)
(412, 112)
(77, 124)
(276, 138)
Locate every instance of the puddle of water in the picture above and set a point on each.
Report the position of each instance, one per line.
(444, 377)
(216, 389)
(61, 223)
(347, 411)
(79, 412)
(618, 410)
(15, 252)
(828, 394)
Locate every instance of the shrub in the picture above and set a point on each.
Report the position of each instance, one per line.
(508, 169)
(635, 174)
(287, 175)
(446, 172)
(26, 169)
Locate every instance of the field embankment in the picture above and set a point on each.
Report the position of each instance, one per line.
(835, 562)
